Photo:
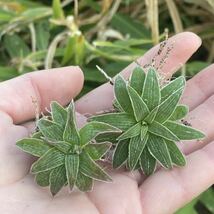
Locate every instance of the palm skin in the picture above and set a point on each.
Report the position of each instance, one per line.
(130, 193)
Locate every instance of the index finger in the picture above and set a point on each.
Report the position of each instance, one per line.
(185, 44)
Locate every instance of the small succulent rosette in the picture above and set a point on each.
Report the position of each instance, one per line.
(149, 116)
(67, 156)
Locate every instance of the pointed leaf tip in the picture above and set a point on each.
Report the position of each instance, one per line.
(121, 94)
(92, 129)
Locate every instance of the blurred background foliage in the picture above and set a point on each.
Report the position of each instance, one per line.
(43, 34)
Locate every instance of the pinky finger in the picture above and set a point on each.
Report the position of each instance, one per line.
(166, 191)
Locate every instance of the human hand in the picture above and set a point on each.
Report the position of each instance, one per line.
(130, 192)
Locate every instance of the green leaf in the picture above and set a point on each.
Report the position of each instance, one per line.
(129, 26)
(168, 106)
(151, 116)
(110, 137)
(57, 179)
(117, 106)
(180, 112)
(120, 153)
(158, 148)
(71, 133)
(176, 155)
(8, 72)
(57, 10)
(172, 87)
(122, 95)
(136, 147)
(147, 162)
(42, 178)
(89, 168)
(143, 132)
(72, 168)
(15, 46)
(84, 183)
(69, 50)
(50, 129)
(34, 147)
(50, 160)
(63, 146)
(42, 35)
(37, 135)
(59, 114)
(122, 121)
(97, 150)
(74, 50)
(183, 132)
(137, 80)
(92, 129)
(140, 109)
(151, 90)
(207, 198)
(160, 130)
(189, 208)
(131, 132)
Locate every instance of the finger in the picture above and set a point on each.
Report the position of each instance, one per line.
(185, 44)
(120, 196)
(201, 118)
(59, 84)
(180, 185)
(199, 88)
(13, 162)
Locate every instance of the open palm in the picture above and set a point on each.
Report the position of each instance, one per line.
(130, 193)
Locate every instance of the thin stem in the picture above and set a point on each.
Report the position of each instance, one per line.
(105, 75)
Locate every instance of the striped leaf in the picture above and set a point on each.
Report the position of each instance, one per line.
(151, 116)
(180, 112)
(158, 148)
(33, 146)
(183, 132)
(57, 179)
(89, 168)
(110, 137)
(50, 160)
(168, 106)
(122, 121)
(162, 131)
(63, 146)
(131, 132)
(84, 183)
(121, 94)
(137, 79)
(71, 134)
(147, 162)
(72, 168)
(136, 147)
(151, 90)
(50, 129)
(172, 87)
(97, 150)
(139, 107)
(120, 153)
(176, 155)
(92, 129)
(42, 178)
(117, 106)
(59, 114)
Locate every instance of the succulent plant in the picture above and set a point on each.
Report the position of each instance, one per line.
(67, 156)
(149, 116)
